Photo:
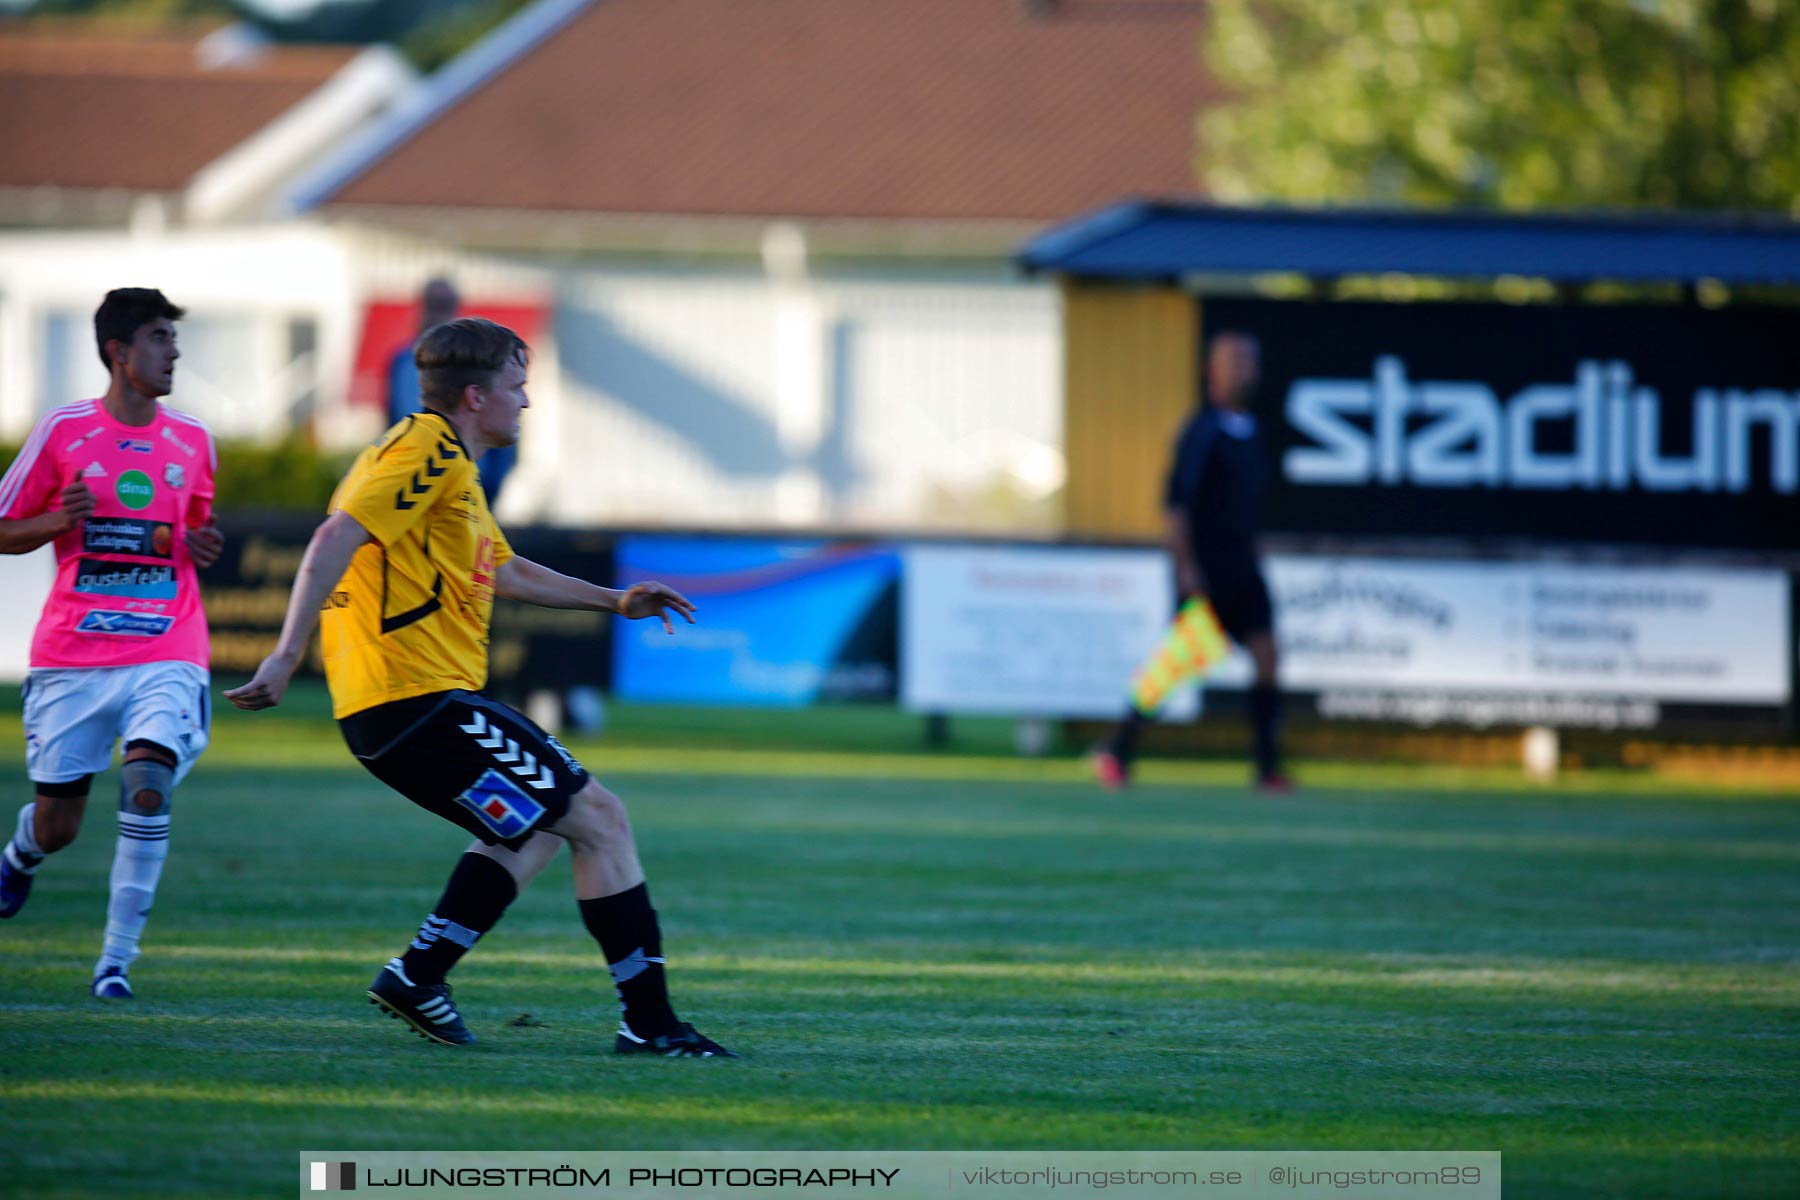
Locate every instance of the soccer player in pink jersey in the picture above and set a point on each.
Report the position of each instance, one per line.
(123, 486)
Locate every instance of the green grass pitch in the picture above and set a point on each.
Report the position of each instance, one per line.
(955, 951)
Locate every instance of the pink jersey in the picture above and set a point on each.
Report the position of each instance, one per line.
(125, 590)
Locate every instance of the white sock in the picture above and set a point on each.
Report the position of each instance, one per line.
(24, 851)
(137, 866)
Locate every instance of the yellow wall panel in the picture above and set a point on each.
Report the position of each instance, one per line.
(1130, 358)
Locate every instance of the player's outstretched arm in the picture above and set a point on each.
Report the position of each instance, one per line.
(533, 583)
(327, 557)
(25, 534)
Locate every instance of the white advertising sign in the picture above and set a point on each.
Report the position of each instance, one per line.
(1683, 634)
(1059, 631)
(1030, 631)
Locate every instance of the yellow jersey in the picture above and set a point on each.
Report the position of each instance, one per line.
(411, 614)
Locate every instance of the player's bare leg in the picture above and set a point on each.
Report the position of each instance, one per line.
(600, 841)
(46, 825)
(524, 863)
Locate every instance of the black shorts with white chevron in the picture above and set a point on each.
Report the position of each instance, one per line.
(470, 760)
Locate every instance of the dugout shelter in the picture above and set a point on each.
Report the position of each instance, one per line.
(1576, 438)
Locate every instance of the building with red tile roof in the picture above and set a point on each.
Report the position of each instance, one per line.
(100, 118)
(950, 112)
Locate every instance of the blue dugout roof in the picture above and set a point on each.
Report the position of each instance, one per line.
(1165, 240)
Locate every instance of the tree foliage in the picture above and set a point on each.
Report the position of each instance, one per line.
(1691, 104)
(134, 12)
(433, 43)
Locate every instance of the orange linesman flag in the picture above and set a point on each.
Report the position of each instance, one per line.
(1193, 646)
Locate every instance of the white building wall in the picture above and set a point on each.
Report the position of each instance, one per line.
(663, 394)
(951, 406)
(728, 399)
(243, 288)
(668, 389)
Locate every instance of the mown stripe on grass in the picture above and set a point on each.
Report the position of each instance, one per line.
(716, 1120)
(1155, 774)
(1042, 825)
(302, 744)
(1745, 982)
(711, 1106)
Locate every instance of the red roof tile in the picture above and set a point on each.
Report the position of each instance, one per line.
(879, 109)
(90, 110)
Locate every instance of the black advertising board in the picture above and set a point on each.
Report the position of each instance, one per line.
(246, 595)
(1676, 426)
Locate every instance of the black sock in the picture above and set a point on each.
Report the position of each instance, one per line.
(473, 901)
(1123, 743)
(625, 926)
(1265, 724)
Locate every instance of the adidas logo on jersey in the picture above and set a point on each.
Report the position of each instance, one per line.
(93, 470)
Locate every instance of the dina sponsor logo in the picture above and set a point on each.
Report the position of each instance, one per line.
(1394, 431)
(123, 624)
(135, 490)
(125, 535)
(146, 581)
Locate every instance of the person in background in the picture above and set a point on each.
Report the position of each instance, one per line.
(1212, 510)
(439, 302)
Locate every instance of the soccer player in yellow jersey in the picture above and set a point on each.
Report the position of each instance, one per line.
(403, 576)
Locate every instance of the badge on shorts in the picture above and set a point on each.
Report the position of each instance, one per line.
(498, 803)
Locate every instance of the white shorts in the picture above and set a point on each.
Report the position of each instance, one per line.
(74, 716)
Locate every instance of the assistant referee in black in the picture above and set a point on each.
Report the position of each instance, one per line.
(1212, 509)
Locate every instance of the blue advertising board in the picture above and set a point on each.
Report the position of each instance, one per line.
(780, 622)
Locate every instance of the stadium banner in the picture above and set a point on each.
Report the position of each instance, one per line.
(1672, 425)
(1481, 643)
(246, 595)
(1032, 631)
(913, 1174)
(782, 622)
(1057, 631)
